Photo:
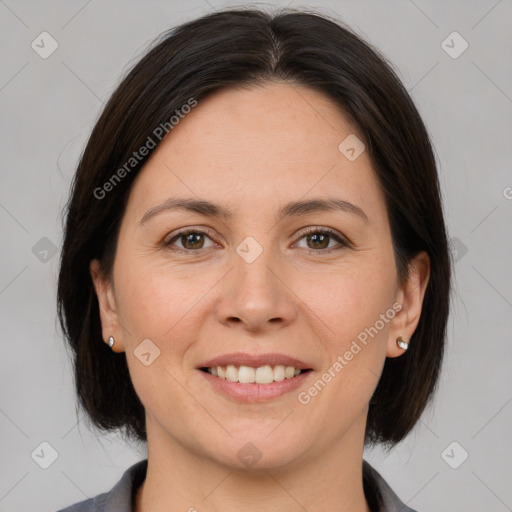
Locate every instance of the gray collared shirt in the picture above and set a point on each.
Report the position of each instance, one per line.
(379, 494)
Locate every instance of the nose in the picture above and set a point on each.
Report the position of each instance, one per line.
(256, 296)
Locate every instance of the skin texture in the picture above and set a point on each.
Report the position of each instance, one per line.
(252, 150)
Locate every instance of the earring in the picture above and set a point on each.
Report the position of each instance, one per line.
(402, 343)
(111, 341)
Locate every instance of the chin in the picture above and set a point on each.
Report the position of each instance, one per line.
(258, 452)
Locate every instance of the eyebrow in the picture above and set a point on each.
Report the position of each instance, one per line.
(292, 209)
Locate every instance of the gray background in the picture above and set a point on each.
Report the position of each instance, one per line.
(48, 109)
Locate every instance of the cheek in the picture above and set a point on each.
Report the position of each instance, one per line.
(165, 304)
(153, 298)
(158, 306)
(352, 299)
(355, 309)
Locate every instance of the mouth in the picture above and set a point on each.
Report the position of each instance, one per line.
(255, 378)
(265, 374)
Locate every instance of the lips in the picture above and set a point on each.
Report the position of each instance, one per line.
(255, 378)
(255, 361)
(246, 392)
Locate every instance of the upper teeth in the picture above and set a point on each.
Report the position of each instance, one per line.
(248, 375)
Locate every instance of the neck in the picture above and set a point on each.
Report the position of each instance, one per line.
(179, 479)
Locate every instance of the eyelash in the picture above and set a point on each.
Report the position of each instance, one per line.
(308, 231)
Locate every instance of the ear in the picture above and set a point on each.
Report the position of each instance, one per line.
(410, 296)
(108, 314)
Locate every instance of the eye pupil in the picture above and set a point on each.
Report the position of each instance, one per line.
(191, 239)
(319, 238)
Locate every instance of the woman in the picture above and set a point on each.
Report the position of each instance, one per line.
(255, 274)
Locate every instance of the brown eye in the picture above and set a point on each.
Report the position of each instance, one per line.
(319, 240)
(190, 240)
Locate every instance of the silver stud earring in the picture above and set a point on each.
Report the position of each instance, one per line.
(111, 341)
(402, 343)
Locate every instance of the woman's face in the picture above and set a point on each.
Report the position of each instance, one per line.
(254, 288)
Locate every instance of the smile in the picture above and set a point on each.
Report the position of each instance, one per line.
(265, 374)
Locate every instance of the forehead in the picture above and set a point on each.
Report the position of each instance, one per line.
(274, 141)
(286, 119)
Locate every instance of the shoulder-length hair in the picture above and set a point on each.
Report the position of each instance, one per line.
(244, 47)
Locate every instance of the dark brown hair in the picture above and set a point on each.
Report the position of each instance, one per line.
(247, 47)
